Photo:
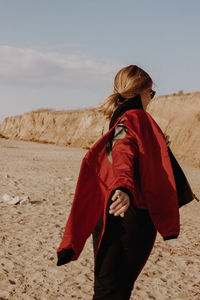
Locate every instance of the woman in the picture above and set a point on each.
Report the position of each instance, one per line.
(125, 192)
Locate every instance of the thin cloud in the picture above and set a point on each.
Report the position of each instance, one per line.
(30, 67)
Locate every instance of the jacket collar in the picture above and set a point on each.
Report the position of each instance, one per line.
(132, 103)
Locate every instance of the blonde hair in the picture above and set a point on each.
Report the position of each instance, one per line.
(128, 82)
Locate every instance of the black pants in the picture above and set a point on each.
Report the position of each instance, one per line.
(124, 250)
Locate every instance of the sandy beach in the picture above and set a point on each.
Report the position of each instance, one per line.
(45, 176)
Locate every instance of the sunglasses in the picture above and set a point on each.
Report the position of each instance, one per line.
(152, 93)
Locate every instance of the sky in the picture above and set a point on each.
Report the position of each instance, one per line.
(64, 54)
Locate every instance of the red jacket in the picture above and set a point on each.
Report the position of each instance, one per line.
(154, 187)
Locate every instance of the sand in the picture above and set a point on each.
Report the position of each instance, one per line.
(31, 232)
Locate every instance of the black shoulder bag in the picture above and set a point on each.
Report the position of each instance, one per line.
(185, 194)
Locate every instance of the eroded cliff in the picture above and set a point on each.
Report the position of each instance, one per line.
(178, 115)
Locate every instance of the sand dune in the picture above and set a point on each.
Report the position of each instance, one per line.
(177, 114)
(31, 232)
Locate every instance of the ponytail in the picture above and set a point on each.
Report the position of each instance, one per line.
(108, 105)
(128, 82)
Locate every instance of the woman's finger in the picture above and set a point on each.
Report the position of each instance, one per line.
(119, 206)
(121, 210)
(117, 202)
(116, 195)
(167, 137)
(114, 209)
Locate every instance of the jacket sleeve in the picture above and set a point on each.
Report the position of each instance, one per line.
(124, 153)
(170, 237)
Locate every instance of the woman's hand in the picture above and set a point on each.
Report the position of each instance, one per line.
(167, 139)
(121, 203)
